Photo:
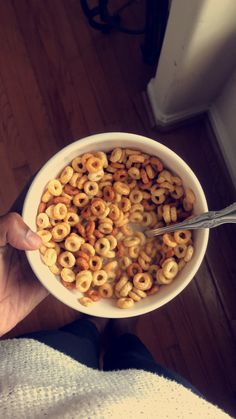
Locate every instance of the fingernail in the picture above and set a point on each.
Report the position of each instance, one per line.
(32, 239)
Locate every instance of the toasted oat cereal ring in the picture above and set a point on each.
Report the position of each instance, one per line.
(105, 228)
(73, 243)
(110, 254)
(105, 290)
(161, 279)
(126, 289)
(147, 219)
(99, 277)
(78, 165)
(88, 248)
(127, 230)
(102, 156)
(166, 213)
(45, 235)
(86, 213)
(154, 161)
(144, 176)
(178, 192)
(189, 253)
(42, 249)
(182, 236)
(169, 240)
(60, 231)
(98, 234)
(187, 205)
(190, 196)
(141, 236)
(116, 155)
(82, 263)
(125, 262)
(121, 188)
(111, 266)
(125, 204)
(83, 282)
(67, 275)
(136, 217)
(134, 173)
(98, 207)
(108, 193)
(91, 188)
(95, 263)
(117, 165)
(90, 227)
(133, 269)
(85, 301)
(42, 220)
(134, 296)
(148, 206)
(154, 290)
(133, 252)
(42, 207)
(81, 181)
(93, 164)
(159, 197)
(114, 213)
(55, 187)
(74, 179)
(125, 302)
(136, 207)
(68, 285)
(136, 196)
(50, 257)
(121, 283)
(46, 197)
(55, 269)
(120, 175)
(139, 292)
(170, 269)
(130, 152)
(92, 240)
(150, 171)
(93, 294)
(112, 240)
(81, 230)
(66, 175)
(120, 249)
(143, 263)
(61, 200)
(50, 245)
(66, 259)
(72, 218)
(80, 200)
(59, 211)
(180, 250)
(70, 190)
(142, 281)
(102, 246)
(81, 254)
(181, 264)
(95, 177)
(133, 159)
(131, 241)
(145, 256)
(173, 214)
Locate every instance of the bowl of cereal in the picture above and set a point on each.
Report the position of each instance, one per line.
(91, 204)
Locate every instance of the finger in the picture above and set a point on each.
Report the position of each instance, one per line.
(15, 232)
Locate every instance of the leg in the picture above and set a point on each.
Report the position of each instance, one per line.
(80, 340)
(127, 351)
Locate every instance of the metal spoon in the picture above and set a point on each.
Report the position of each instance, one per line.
(208, 219)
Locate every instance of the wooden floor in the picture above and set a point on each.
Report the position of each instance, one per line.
(60, 81)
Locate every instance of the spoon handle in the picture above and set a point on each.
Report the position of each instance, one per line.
(208, 219)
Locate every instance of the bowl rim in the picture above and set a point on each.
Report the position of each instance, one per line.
(135, 311)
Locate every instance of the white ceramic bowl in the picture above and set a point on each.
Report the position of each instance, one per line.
(106, 142)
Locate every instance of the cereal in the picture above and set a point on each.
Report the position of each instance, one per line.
(87, 220)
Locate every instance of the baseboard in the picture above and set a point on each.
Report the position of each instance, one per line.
(165, 121)
(224, 142)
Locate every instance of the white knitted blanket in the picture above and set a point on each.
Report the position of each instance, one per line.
(37, 382)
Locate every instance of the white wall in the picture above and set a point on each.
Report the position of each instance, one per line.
(197, 57)
(223, 118)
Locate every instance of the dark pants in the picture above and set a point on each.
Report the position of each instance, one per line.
(81, 341)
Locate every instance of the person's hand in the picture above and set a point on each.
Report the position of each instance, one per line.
(20, 290)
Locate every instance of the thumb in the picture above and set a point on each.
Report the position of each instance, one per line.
(15, 232)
